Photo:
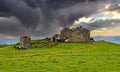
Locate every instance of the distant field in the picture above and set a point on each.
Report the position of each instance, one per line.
(100, 56)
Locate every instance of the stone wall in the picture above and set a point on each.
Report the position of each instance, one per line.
(75, 35)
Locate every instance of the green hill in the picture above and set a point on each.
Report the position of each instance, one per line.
(48, 56)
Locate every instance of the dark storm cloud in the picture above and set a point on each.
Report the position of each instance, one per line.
(114, 5)
(21, 10)
(42, 17)
(10, 26)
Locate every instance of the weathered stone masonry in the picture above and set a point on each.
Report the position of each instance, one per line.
(25, 41)
(78, 34)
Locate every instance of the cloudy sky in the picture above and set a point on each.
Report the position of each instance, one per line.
(40, 18)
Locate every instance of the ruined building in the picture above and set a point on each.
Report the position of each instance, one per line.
(25, 42)
(78, 34)
(56, 37)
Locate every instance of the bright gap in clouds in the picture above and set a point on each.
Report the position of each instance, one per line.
(104, 23)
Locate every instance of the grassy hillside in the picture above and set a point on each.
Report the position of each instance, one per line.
(100, 56)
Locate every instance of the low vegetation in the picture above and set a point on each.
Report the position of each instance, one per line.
(3, 45)
(49, 56)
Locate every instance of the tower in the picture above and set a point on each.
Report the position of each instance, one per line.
(25, 41)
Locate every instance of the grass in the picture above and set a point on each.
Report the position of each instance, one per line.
(100, 56)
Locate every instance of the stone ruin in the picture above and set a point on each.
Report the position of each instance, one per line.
(78, 34)
(56, 37)
(25, 42)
